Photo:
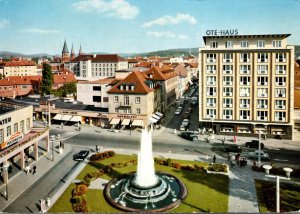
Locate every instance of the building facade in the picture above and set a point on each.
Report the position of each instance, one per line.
(18, 67)
(93, 67)
(246, 85)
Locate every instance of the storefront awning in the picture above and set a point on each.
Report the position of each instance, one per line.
(62, 117)
(76, 119)
(159, 114)
(152, 120)
(125, 122)
(137, 123)
(114, 121)
(156, 116)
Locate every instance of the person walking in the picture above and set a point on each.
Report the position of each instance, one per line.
(34, 169)
(214, 159)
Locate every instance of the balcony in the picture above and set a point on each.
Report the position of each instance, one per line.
(228, 117)
(244, 117)
(126, 104)
(279, 107)
(244, 106)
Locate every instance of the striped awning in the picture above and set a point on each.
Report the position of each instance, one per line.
(114, 121)
(137, 123)
(64, 117)
(125, 122)
(156, 116)
(159, 114)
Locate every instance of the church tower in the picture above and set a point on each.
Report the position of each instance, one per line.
(72, 53)
(65, 53)
(80, 51)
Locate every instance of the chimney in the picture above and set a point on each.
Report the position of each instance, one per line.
(94, 56)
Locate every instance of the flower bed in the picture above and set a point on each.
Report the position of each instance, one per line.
(102, 155)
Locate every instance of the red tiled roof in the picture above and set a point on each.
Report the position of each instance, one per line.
(192, 65)
(99, 58)
(64, 78)
(19, 80)
(132, 60)
(144, 64)
(137, 79)
(21, 62)
(161, 73)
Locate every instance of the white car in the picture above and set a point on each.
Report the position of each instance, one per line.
(184, 125)
(263, 155)
(178, 110)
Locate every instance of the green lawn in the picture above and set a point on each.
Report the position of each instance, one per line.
(206, 192)
(266, 196)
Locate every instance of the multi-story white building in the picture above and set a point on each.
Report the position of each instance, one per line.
(94, 67)
(18, 67)
(247, 84)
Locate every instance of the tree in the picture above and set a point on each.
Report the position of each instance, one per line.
(47, 79)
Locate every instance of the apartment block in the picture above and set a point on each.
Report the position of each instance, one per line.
(246, 85)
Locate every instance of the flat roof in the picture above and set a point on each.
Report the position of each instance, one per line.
(247, 36)
(6, 107)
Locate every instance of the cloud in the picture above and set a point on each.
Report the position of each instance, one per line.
(116, 8)
(165, 34)
(172, 20)
(40, 31)
(4, 23)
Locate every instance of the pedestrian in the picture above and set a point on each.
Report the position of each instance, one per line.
(48, 201)
(214, 159)
(34, 169)
(62, 145)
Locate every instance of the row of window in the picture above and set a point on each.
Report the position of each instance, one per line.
(245, 44)
(245, 115)
(103, 69)
(245, 103)
(114, 65)
(245, 92)
(126, 100)
(109, 74)
(246, 80)
(127, 111)
(8, 130)
(245, 57)
(246, 69)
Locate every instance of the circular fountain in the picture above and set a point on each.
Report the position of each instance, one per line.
(145, 190)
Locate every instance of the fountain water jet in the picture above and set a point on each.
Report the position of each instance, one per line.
(136, 191)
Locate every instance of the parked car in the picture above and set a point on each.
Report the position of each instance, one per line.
(186, 115)
(178, 111)
(254, 144)
(82, 155)
(184, 125)
(232, 148)
(263, 155)
(189, 136)
(194, 103)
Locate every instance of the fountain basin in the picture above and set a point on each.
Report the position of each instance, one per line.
(124, 194)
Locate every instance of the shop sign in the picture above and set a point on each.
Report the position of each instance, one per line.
(228, 32)
(5, 121)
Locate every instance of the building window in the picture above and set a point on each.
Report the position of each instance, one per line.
(262, 57)
(244, 92)
(211, 80)
(280, 81)
(116, 99)
(227, 103)
(213, 44)
(227, 91)
(261, 43)
(245, 57)
(126, 100)
(245, 80)
(280, 69)
(22, 126)
(244, 115)
(280, 92)
(280, 116)
(8, 131)
(262, 80)
(211, 57)
(15, 127)
(245, 69)
(211, 69)
(262, 104)
(262, 92)
(244, 44)
(1, 135)
(116, 109)
(228, 44)
(262, 115)
(211, 113)
(27, 124)
(280, 57)
(211, 102)
(227, 57)
(105, 99)
(262, 69)
(137, 100)
(211, 91)
(138, 111)
(244, 103)
(97, 99)
(227, 69)
(227, 114)
(280, 104)
(227, 80)
(276, 43)
(96, 88)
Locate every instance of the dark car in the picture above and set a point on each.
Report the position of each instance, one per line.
(81, 155)
(189, 135)
(254, 144)
(233, 148)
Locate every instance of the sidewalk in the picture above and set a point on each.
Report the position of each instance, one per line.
(22, 181)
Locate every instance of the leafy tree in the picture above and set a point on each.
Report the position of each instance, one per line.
(47, 79)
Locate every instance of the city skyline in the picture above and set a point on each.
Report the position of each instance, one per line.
(132, 26)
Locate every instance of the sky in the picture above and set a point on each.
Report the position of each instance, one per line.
(135, 26)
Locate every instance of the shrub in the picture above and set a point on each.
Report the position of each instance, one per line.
(81, 189)
(217, 167)
(102, 155)
(168, 162)
(176, 165)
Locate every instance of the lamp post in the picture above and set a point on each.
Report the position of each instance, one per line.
(5, 168)
(259, 148)
(52, 139)
(288, 171)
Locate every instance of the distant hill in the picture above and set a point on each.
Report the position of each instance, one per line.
(172, 52)
(7, 54)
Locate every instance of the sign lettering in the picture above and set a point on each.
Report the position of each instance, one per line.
(6, 120)
(230, 32)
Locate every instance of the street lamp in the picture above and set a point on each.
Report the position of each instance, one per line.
(288, 172)
(259, 147)
(5, 168)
